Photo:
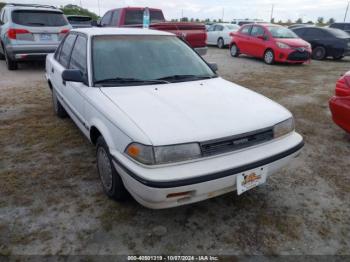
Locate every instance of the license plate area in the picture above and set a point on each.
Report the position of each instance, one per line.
(45, 37)
(250, 179)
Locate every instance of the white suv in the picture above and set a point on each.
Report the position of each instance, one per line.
(30, 32)
(166, 127)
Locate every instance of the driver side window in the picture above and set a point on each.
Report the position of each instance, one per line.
(257, 31)
(79, 55)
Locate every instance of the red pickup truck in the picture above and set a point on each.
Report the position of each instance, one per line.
(194, 33)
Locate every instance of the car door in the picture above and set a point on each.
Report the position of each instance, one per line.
(311, 35)
(219, 29)
(74, 92)
(242, 39)
(211, 35)
(257, 45)
(60, 63)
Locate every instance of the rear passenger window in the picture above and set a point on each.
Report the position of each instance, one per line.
(78, 58)
(39, 18)
(219, 28)
(245, 30)
(66, 50)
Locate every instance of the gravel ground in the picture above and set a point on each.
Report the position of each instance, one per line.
(51, 201)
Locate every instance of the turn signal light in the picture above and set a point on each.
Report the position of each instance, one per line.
(12, 33)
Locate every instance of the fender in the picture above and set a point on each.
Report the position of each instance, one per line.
(110, 137)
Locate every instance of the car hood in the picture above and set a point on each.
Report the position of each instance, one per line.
(294, 42)
(195, 111)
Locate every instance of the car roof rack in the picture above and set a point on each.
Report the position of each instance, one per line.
(32, 5)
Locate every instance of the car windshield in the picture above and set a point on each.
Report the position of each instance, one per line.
(232, 27)
(123, 58)
(281, 32)
(79, 19)
(38, 18)
(338, 33)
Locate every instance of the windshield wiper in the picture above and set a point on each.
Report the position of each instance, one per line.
(175, 78)
(121, 80)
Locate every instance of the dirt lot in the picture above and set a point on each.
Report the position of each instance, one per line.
(51, 201)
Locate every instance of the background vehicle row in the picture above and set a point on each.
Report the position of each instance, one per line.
(30, 32)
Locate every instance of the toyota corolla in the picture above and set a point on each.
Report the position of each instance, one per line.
(167, 128)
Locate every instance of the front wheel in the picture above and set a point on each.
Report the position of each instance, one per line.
(319, 53)
(269, 57)
(111, 181)
(234, 51)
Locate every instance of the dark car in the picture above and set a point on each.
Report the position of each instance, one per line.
(299, 25)
(343, 26)
(325, 42)
(79, 21)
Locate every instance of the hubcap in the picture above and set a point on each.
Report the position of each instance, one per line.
(221, 44)
(233, 50)
(105, 169)
(269, 57)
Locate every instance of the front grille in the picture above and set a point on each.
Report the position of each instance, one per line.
(225, 145)
(299, 56)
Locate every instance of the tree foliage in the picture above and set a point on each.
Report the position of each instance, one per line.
(77, 10)
(320, 20)
(331, 21)
(2, 5)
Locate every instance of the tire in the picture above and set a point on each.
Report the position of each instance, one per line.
(112, 183)
(319, 53)
(338, 57)
(11, 64)
(2, 56)
(57, 107)
(221, 43)
(269, 57)
(234, 51)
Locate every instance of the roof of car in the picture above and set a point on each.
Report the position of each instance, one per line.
(120, 31)
(32, 7)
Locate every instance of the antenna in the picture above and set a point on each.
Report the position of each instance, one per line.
(346, 12)
(273, 6)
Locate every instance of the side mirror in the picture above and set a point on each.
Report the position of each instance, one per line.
(73, 75)
(94, 23)
(262, 37)
(98, 23)
(232, 34)
(214, 67)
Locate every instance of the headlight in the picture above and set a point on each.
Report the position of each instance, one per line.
(283, 128)
(282, 45)
(150, 155)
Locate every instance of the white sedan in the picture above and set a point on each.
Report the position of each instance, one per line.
(167, 129)
(219, 34)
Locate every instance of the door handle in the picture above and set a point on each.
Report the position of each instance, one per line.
(52, 70)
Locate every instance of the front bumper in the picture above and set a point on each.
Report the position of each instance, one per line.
(340, 108)
(202, 179)
(293, 56)
(30, 52)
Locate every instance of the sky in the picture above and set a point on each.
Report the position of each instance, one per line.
(231, 9)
